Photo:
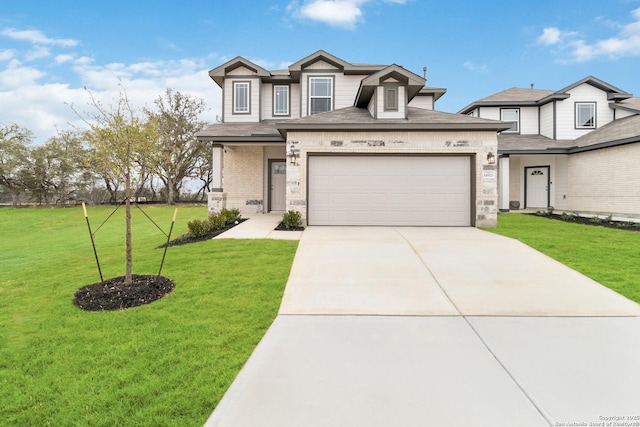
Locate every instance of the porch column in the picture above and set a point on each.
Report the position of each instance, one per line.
(216, 169)
(503, 183)
(217, 200)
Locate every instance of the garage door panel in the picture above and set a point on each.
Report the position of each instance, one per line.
(389, 190)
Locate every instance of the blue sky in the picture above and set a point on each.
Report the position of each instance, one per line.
(50, 51)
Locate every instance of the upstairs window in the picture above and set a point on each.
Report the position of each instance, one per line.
(320, 94)
(391, 98)
(585, 115)
(511, 115)
(241, 97)
(281, 100)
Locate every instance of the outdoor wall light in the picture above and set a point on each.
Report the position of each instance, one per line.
(292, 157)
(491, 159)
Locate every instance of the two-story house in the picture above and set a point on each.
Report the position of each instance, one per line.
(576, 149)
(349, 144)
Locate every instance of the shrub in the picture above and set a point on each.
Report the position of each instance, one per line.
(217, 221)
(569, 216)
(198, 227)
(625, 225)
(291, 219)
(230, 215)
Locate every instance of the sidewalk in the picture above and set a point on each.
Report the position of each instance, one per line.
(260, 226)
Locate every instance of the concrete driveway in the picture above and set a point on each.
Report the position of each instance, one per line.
(438, 327)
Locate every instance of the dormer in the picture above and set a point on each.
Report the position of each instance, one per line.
(241, 82)
(387, 92)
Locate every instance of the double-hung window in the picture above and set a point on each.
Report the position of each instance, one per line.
(585, 115)
(511, 115)
(241, 97)
(320, 94)
(391, 98)
(280, 100)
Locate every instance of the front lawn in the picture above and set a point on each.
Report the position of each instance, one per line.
(163, 364)
(607, 255)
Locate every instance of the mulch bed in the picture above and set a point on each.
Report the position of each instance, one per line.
(188, 238)
(281, 227)
(600, 222)
(113, 294)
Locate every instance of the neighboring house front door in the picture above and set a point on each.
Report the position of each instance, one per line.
(278, 183)
(537, 187)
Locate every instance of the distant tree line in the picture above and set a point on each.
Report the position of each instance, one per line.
(153, 151)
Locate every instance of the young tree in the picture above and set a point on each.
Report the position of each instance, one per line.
(121, 139)
(14, 157)
(177, 149)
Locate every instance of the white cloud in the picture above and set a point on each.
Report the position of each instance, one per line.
(42, 107)
(36, 37)
(61, 59)
(5, 55)
(573, 48)
(337, 13)
(474, 67)
(15, 75)
(37, 52)
(549, 36)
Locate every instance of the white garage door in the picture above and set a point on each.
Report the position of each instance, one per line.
(389, 190)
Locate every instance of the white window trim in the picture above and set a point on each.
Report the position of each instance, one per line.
(286, 113)
(234, 101)
(595, 117)
(517, 121)
(330, 97)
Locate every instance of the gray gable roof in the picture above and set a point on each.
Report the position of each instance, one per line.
(613, 93)
(630, 104)
(618, 132)
(359, 119)
(218, 74)
(341, 64)
(413, 82)
(532, 97)
(529, 144)
(241, 132)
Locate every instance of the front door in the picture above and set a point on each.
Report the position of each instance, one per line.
(537, 187)
(278, 183)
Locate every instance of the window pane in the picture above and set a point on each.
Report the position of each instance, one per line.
(321, 87)
(511, 115)
(320, 105)
(585, 115)
(241, 98)
(281, 100)
(391, 99)
(320, 94)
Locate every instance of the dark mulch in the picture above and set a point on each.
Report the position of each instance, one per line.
(600, 222)
(188, 238)
(281, 227)
(113, 294)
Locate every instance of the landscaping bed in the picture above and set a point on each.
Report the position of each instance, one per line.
(594, 220)
(114, 294)
(190, 238)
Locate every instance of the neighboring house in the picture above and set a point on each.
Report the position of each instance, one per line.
(349, 144)
(576, 149)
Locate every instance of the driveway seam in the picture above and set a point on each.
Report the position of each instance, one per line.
(484, 343)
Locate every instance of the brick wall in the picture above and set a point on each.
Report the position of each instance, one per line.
(242, 178)
(605, 181)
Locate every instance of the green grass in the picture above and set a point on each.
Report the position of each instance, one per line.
(607, 255)
(164, 364)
